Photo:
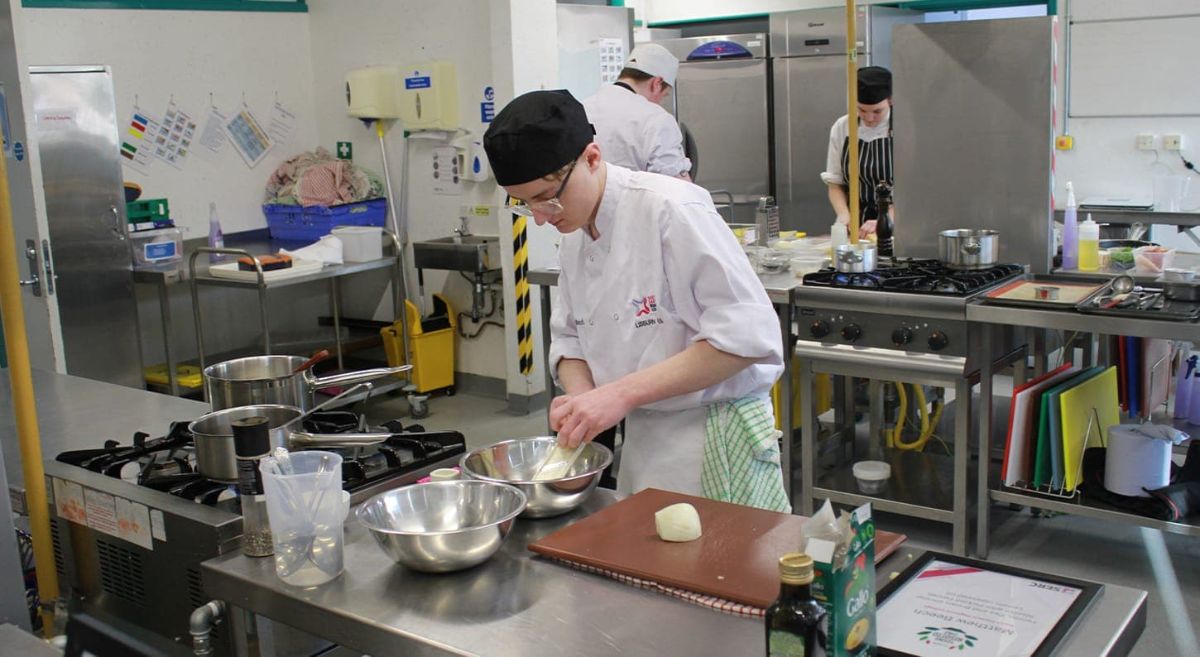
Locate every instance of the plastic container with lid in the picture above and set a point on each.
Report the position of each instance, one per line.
(156, 249)
(872, 476)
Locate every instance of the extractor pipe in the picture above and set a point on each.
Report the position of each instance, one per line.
(24, 407)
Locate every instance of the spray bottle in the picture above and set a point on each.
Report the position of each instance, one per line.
(216, 238)
(1070, 246)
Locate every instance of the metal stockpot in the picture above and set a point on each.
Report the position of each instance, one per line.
(213, 434)
(274, 380)
(968, 248)
(855, 258)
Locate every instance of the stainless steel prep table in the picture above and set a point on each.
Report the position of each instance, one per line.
(780, 287)
(522, 605)
(1061, 320)
(77, 413)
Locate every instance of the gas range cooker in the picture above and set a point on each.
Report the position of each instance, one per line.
(168, 463)
(915, 307)
(132, 523)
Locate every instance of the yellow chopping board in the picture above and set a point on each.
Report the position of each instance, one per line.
(1099, 393)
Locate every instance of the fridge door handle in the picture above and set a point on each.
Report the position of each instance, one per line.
(34, 282)
(116, 223)
(48, 267)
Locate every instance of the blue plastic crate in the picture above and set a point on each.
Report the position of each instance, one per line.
(296, 223)
(372, 212)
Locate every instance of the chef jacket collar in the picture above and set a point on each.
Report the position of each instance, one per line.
(615, 183)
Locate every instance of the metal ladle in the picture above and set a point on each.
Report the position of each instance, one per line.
(1121, 287)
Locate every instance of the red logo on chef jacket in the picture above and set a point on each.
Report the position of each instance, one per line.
(645, 305)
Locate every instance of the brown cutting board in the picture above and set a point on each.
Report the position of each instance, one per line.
(736, 558)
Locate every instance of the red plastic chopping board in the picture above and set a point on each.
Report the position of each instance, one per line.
(736, 557)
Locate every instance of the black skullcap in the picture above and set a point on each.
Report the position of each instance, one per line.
(535, 135)
(874, 85)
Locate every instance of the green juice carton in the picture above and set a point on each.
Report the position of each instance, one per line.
(844, 583)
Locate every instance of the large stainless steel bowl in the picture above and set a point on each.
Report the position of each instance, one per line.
(514, 462)
(442, 526)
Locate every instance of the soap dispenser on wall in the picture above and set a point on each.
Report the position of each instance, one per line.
(472, 160)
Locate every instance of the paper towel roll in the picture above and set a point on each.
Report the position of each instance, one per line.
(1135, 461)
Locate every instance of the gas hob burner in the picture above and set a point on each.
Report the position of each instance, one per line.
(918, 277)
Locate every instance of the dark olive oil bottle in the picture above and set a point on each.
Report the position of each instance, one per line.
(795, 621)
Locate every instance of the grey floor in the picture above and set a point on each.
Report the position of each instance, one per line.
(1165, 565)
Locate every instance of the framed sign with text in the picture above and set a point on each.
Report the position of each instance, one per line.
(947, 605)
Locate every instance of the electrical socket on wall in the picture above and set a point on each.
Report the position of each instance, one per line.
(1145, 142)
(1173, 142)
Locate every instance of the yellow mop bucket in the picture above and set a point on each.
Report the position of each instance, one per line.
(431, 345)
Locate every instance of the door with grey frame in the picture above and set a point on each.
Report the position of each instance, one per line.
(76, 128)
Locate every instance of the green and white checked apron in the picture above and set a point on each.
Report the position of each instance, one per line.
(742, 456)
(727, 451)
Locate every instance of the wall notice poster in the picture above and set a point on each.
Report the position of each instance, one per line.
(137, 142)
(173, 141)
(950, 606)
(612, 59)
(248, 137)
(213, 136)
(279, 129)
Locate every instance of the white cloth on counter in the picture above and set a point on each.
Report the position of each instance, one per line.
(837, 141)
(635, 133)
(327, 250)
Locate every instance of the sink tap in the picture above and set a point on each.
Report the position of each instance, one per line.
(464, 228)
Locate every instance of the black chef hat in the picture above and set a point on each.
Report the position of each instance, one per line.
(536, 134)
(874, 85)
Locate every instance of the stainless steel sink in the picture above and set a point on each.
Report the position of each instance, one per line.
(470, 253)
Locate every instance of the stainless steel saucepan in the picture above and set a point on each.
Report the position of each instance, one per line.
(275, 380)
(855, 258)
(967, 248)
(213, 436)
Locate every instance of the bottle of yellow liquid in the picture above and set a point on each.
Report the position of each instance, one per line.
(1089, 245)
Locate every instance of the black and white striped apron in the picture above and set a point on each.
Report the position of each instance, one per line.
(874, 166)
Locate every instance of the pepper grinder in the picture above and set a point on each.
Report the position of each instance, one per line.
(251, 442)
(884, 229)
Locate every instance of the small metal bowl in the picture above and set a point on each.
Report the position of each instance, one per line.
(442, 526)
(514, 462)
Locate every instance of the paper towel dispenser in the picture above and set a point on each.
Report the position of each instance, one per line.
(423, 96)
(373, 92)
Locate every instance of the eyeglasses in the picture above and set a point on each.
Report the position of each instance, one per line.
(549, 206)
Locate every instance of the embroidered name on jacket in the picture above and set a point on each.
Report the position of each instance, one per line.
(646, 308)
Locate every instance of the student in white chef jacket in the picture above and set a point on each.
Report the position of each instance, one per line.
(659, 317)
(633, 130)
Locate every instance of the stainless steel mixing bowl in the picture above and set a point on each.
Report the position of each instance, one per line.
(514, 462)
(442, 526)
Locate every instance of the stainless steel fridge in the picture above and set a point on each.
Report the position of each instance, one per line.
(808, 58)
(722, 98)
(75, 123)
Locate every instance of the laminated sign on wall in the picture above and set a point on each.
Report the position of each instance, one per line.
(248, 136)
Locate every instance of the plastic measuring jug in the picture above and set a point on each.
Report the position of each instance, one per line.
(307, 510)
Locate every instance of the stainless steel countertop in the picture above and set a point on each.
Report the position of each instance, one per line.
(779, 286)
(523, 605)
(78, 413)
(1067, 319)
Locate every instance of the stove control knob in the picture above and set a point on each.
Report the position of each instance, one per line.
(851, 332)
(902, 336)
(938, 340)
(819, 328)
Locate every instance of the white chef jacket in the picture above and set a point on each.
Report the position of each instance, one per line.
(635, 133)
(837, 141)
(665, 272)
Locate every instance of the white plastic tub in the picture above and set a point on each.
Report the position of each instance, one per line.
(872, 476)
(360, 243)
